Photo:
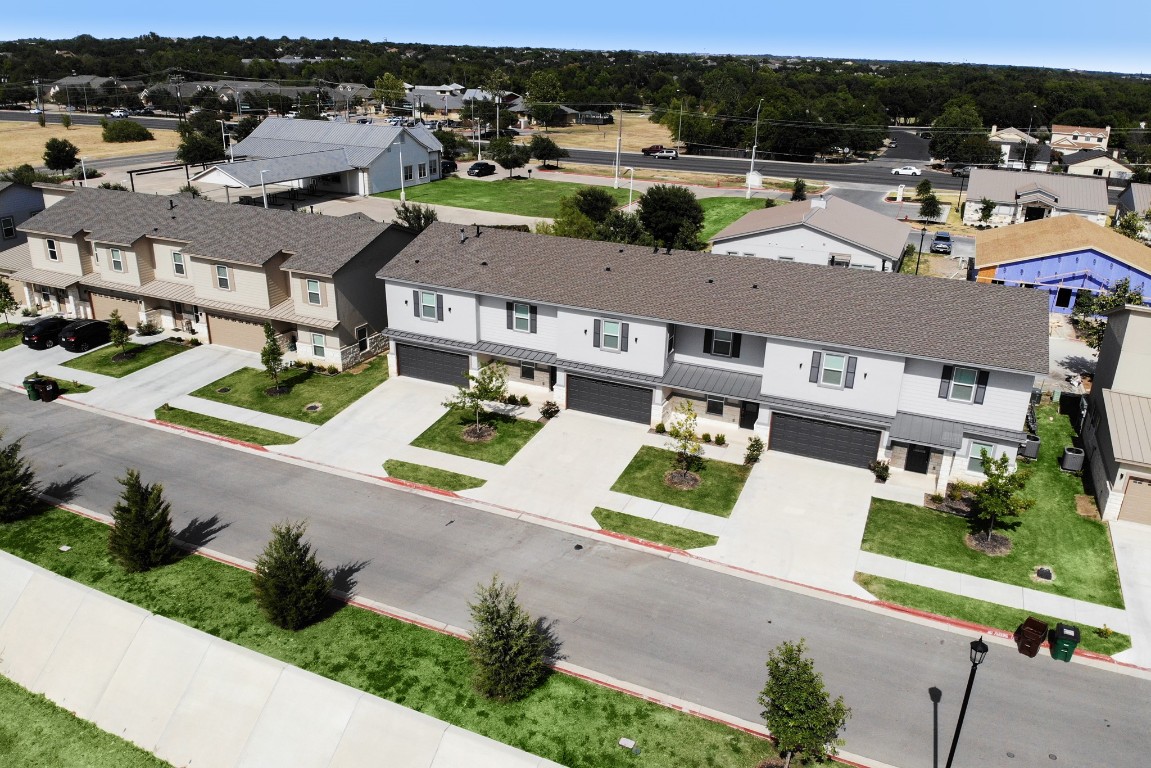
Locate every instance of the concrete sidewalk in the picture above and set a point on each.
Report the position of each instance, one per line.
(284, 426)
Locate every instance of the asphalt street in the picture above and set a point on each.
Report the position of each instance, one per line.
(639, 617)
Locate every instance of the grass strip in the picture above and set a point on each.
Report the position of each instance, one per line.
(11, 335)
(981, 612)
(650, 530)
(718, 212)
(521, 196)
(36, 732)
(718, 490)
(214, 426)
(567, 720)
(446, 436)
(100, 360)
(436, 478)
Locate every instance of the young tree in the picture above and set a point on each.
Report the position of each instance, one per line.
(684, 440)
(929, 207)
(509, 154)
(545, 150)
(290, 584)
(997, 499)
(19, 491)
(41, 120)
(415, 217)
(66, 121)
(1088, 307)
(272, 356)
(489, 385)
(797, 708)
(118, 332)
(923, 189)
(799, 190)
(672, 215)
(141, 535)
(60, 155)
(8, 302)
(508, 649)
(1130, 225)
(986, 208)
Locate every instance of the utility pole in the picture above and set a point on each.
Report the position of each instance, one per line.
(39, 104)
(618, 146)
(754, 148)
(176, 80)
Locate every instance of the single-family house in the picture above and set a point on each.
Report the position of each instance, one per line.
(1027, 196)
(1117, 426)
(216, 270)
(820, 230)
(18, 203)
(1096, 162)
(1061, 257)
(322, 156)
(1010, 136)
(64, 90)
(1072, 138)
(1136, 199)
(843, 365)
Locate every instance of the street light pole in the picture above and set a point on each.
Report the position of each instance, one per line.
(922, 234)
(618, 146)
(39, 104)
(679, 133)
(978, 653)
(83, 173)
(754, 148)
(1027, 143)
(403, 193)
(631, 186)
(264, 187)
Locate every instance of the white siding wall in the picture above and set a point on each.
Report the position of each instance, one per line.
(460, 321)
(494, 326)
(800, 244)
(1005, 404)
(384, 173)
(689, 349)
(647, 343)
(878, 378)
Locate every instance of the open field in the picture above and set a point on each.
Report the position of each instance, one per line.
(638, 132)
(670, 174)
(24, 142)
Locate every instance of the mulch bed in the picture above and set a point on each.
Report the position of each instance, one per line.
(276, 391)
(125, 356)
(682, 480)
(8, 333)
(960, 506)
(479, 433)
(998, 546)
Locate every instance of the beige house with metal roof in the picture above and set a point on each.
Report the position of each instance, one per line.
(1117, 427)
(1028, 196)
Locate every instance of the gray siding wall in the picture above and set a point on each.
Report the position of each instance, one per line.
(359, 299)
(20, 203)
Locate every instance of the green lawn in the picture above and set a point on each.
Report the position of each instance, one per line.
(446, 436)
(100, 360)
(223, 427)
(718, 212)
(1050, 533)
(15, 339)
(521, 196)
(436, 478)
(36, 732)
(567, 720)
(650, 530)
(980, 611)
(717, 493)
(248, 389)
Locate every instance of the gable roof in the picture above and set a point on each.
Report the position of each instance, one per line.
(242, 234)
(1053, 236)
(836, 218)
(281, 137)
(1137, 197)
(246, 173)
(1079, 129)
(1084, 155)
(1077, 193)
(951, 320)
(1011, 135)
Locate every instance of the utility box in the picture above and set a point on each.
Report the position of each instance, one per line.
(1065, 642)
(1030, 636)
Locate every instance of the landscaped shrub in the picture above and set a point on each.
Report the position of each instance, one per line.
(511, 400)
(721, 439)
(754, 450)
(122, 131)
(333, 369)
(195, 342)
(706, 437)
(660, 428)
(290, 585)
(508, 648)
(19, 491)
(524, 401)
(881, 470)
(549, 410)
(141, 536)
(147, 329)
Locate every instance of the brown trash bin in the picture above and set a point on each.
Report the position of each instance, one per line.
(1030, 636)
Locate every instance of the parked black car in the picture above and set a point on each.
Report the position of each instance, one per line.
(82, 335)
(448, 166)
(42, 333)
(481, 169)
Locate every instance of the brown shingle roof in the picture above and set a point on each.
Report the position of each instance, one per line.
(949, 320)
(1055, 235)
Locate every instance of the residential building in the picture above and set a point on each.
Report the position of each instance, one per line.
(1028, 196)
(1010, 136)
(820, 230)
(1096, 162)
(1072, 138)
(1117, 426)
(1016, 146)
(18, 203)
(1136, 198)
(844, 365)
(211, 269)
(1061, 257)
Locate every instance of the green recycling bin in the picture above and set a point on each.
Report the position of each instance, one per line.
(30, 388)
(1065, 641)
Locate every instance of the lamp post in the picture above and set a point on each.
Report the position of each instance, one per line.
(618, 146)
(679, 133)
(39, 104)
(978, 653)
(1027, 143)
(754, 148)
(264, 187)
(630, 186)
(922, 234)
(403, 192)
(83, 173)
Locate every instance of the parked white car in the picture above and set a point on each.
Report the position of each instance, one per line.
(907, 170)
(666, 154)
(119, 113)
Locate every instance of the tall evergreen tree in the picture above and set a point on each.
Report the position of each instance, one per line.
(290, 584)
(19, 491)
(508, 649)
(141, 535)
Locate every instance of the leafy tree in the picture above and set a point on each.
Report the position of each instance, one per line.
(1142, 175)
(595, 203)
(544, 149)
(196, 148)
(66, 121)
(620, 227)
(450, 142)
(416, 217)
(997, 499)
(570, 221)
(123, 131)
(118, 332)
(60, 155)
(509, 154)
(929, 207)
(272, 355)
(684, 440)
(8, 302)
(141, 535)
(1130, 225)
(388, 89)
(799, 190)
(290, 585)
(797, 708)
(113, 185)
(244, 127)
(1088, 307)
(19, 491)
(489, 385)
(986, 208)
(509, 649)
(672, 216)
(543, 94)
(923, 189)
(43, 121)
(25, 174)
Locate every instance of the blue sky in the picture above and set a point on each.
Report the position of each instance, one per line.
(944, 31)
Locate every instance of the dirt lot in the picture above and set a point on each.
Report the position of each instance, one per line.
(24, 142)
(638, 132)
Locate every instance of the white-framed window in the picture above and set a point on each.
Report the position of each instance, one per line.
(610, 338)
(223, 279)
(963, 381)
(408, 173)
(715, 405)
(53, 255)
(117, 259)
(423, 170)
(428, 305)
(975, 456)
(522, 318)
(834, 367)
(178, 267)
(721, 343)
(314, 296)
(8, 227)
(527, 370)
(318, 345)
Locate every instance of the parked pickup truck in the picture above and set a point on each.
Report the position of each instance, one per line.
(652, 149)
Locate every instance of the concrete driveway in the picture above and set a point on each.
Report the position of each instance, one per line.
(1132, 542)
(19, 361)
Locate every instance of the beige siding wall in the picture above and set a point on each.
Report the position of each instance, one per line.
(306, 345)
(128, 276)
(67, 250)
(247, 284)
(277, 280)
(164, 266)
(327, 306)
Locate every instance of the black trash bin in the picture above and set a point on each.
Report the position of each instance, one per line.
(48, 389)
(30, 387)
(1030, 636)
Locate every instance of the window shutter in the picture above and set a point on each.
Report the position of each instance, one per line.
(708, 336)
(736, 338)
(981, 387)
(511, 309)
(439, 306)
(595, 334)
(416, 303)
(849, 382)
(813, 374)
(623, 331)
(945, 381)
(533, 322)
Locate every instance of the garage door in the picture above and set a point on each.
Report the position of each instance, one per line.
(1137, 501)
(102, 307)
(432, 364)
(609, 399)
(238, 334)
(854, 446)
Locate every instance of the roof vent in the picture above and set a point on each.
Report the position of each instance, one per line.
(171, 204)
(477, 230)
(755, 285)
(463, 235)
(417, 261)
(655, 249)
(709, 280)
(607, 269)
(668, 249)
(621, 250)
(483, 263)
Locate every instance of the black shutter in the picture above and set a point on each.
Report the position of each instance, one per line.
(623, 330)
(849, 382)
(708, 335)
(595, 334)
(533, 323)
(813, 375)
(439, 306)
(736, 338)
(981, 387)
(511, 315)
(416, 302)
(945, 381)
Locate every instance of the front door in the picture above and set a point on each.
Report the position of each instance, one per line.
(918, 457)
(748, 414)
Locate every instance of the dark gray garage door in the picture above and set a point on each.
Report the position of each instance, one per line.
(609, 399)
(432, 364)
(854, 446)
